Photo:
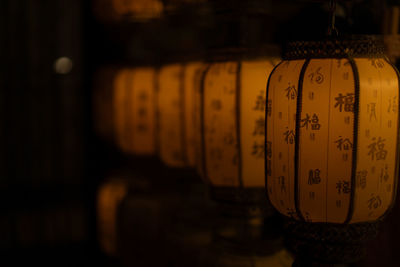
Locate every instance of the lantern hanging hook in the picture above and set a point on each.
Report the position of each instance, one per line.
(332, 14)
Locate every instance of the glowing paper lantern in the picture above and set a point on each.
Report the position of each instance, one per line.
(134, 110)
(198, 93)
(233, 127)
(332, 138)
(176, 114)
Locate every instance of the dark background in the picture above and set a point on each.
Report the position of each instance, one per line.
(51, 161)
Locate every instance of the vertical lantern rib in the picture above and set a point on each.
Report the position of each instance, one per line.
(355, 139)
(396, 170)
(297, 136)
(182, 113)
(327, 145)
(157, 111)
(238, 124)
(202, 124)
(266, 125)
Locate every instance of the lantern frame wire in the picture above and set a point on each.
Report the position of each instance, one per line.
(349, 48)
(316, 240)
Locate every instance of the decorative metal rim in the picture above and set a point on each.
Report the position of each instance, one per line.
(353, 46)
(329, 242)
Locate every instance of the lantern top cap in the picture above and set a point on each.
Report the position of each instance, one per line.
(353, 46)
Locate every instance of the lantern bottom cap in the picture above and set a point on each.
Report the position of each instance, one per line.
(328, 242)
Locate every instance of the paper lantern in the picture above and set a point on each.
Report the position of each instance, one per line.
(131, 10)
(332, 137)
(176, 114)
(233, 127)
(134, 110)
(109, 197)
(198, 127)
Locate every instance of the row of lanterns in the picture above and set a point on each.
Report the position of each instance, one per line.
(323, 132)
(209, 116)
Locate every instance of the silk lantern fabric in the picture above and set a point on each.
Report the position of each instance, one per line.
(134, 105)
(332, 136)
(176, 114)
(233, 123)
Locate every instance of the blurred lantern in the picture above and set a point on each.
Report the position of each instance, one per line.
(176, 114)
(134, 110)
(198, 95)
(109, 197)
(332, 144)
(233, 135)
(129, 10)
(233, 122)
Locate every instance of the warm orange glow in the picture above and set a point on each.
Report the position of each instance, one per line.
(134, 110)
(197, 118)
(176, 114)
(109, 197)
(325, 141)
(191, 80)
(121, 104)
(378, 125)
(138, 9)
(234, 123)
(170, 115)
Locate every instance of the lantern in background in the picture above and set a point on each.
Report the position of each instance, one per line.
(332, 144)
(176, 114)
(198, 95)
(109, 197)
(138, 9)
(134, 110)
(233, 127)
(132, 10)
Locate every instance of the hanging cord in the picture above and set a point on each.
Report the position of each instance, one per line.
(332, 14)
